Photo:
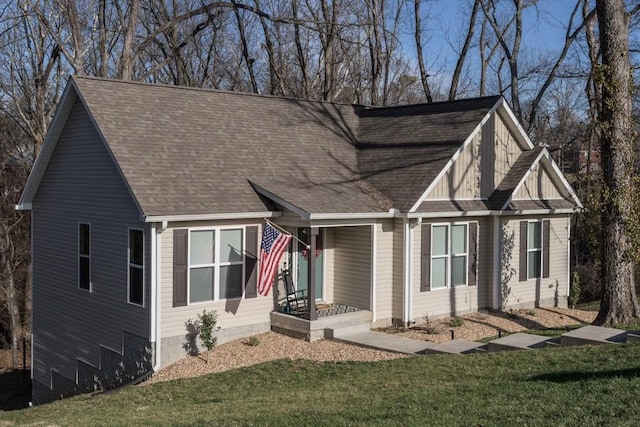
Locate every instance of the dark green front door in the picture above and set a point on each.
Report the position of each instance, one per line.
(302, 259)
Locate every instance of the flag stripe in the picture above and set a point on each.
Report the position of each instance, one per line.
(273, 246)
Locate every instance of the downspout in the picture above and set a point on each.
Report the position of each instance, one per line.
(568, 257)
(156, 265)
(496, 262)
(407, 317)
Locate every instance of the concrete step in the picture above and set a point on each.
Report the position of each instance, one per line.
(633, 337)
(593, 335)
(518, 341)
(456, 347)
(347, 329)
(387, 342)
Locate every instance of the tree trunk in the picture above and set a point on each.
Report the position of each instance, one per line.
(9, 287)
(619, 303)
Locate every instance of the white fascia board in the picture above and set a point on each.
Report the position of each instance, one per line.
(54, 131)
(290, 206)
(24, 207)
(516, 122)
(455, 156)
(448, 214)
(364, 215)
(524, 179)
(211, 217)
(563, 180)
(536, 212)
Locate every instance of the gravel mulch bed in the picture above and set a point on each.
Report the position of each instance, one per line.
(273, 346)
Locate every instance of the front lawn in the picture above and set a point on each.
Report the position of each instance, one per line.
(574, 386)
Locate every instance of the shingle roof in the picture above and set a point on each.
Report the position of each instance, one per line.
(190, 151)
(505, 189)
(402, 149)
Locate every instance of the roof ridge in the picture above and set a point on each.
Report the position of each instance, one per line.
(434, 104)
(213, 90)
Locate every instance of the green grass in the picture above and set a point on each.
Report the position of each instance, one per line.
(564, 386)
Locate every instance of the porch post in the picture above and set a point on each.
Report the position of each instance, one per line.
(313, 234)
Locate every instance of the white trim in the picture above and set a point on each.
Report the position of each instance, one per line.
(152, 286)
(539, 250)
(564, 181)
(129, 265)
(211, 217)
(449, 255)
(450, 214)
(279, 200)
(364, 215)
(516, 122)
(156, 289)
(455, 156)
(24, 207)
(457, 199)
(216, 264)
(496, 262)
(407, 272)
(374, 276)
(525, 212)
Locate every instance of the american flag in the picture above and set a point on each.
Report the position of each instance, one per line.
(273, 246)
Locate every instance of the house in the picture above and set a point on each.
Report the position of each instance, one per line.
(148, 204)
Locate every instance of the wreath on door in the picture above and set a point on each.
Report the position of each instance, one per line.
(318, 251)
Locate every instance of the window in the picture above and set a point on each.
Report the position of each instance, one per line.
(84, 256)
(216, 264)
(534, 249)
(449, 255)
(136, 267)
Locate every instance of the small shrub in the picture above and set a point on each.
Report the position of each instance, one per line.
(456, 322)
(428, 326)
(253, 341)
(208, 328)
(531, 313)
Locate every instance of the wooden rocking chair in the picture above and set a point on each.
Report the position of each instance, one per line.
(296, 300)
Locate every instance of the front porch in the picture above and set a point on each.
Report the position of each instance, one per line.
(328, 320)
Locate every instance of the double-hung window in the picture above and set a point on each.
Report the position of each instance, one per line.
(136, 267)
(449, 255)
(216, 264)
(84, 256)
(534, 249)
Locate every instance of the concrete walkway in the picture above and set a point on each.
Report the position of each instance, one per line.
(587, 335)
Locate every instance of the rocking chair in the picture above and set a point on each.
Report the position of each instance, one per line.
(296, 300)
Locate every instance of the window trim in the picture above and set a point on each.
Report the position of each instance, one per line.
(130, 264)
(538, 250)
(449, 255)
(217, 264)
(81, 255)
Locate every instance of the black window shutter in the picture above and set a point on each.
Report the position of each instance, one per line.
(546, 236)
(180, 266)
(523, 250)
(250, 262)
(425, 284)
(473, 254)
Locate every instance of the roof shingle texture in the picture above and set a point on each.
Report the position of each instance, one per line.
(190, 151)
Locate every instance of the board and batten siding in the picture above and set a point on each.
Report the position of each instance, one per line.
(82, 185)
(384, 271)
(506, 149)
(352, 266)
(538, 186)
(462, 179)
(535, 292)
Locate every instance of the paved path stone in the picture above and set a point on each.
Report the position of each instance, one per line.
(457, 347)
(518, 341)
(593, 335)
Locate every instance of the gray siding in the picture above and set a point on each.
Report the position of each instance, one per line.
(82, 184)
(353, 266)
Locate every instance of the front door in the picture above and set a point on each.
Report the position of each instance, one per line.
(302, 261)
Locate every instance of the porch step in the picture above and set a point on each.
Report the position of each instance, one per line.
(519, 341)
(347, 329)
(387, 342)
(593, 335)
(456, 347)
